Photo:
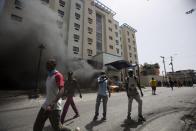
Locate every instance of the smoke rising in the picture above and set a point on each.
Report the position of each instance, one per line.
(19, 52)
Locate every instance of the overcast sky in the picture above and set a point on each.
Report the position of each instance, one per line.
(163, 29)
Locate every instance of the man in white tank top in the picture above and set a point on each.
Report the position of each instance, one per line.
(132, 93)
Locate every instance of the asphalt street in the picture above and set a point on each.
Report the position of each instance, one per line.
(166, 111)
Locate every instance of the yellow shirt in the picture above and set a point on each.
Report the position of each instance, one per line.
(153, 83)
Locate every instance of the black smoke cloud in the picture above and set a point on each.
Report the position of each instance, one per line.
(19, 52)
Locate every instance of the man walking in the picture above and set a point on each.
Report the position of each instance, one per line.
(103, 90)
(70, 85)
(52, 106)
(132, 93)
(153, 84)
(171, 83)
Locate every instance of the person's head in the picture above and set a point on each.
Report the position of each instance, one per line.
(103, 74)
(130, 73)
(70, 75)
(152, 78)
(51, 64)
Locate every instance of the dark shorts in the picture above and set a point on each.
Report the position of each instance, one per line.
(153, 87)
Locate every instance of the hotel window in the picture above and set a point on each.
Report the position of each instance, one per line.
(90, 41)
(116, 33)
(62, 3)
(76, 38)
(109, 21)
(16, 18)
(135, 49)
(110, 29)
(131, 61)
(117, 42)
(90, 30)
(135, 56)
(90, 52)
(111, 47)
(75, 49)
(92, 3)
(130, 54)
(117, 50)
(77, 16)
(110, 37)
(129, 47)
(134, 42)
(18, 4)
(90, 21)
(61, 13)
(116, 27)
(133, 35)
(90, 11)
(128, 40)
(76, 26)
(127, 32)
(78, 6)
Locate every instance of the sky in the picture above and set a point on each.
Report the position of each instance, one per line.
(163, 29)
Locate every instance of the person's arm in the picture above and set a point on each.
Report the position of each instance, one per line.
(138, 84)
(127, 86)
(108, 87)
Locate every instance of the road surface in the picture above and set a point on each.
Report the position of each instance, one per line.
(166, 111)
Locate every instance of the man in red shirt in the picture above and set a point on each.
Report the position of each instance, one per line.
(71, 85)
(52, 106)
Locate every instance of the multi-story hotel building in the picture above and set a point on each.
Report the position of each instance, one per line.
(129, 44)
(89, 29)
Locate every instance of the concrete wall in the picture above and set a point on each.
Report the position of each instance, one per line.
(144, 80)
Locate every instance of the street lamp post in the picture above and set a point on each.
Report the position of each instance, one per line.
(41, 48)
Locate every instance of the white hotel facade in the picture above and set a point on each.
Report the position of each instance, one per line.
(90, 31)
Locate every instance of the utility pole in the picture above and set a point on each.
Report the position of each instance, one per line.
(164, 64)
(171, 63)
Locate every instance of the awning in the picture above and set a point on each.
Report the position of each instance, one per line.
(120, 64)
